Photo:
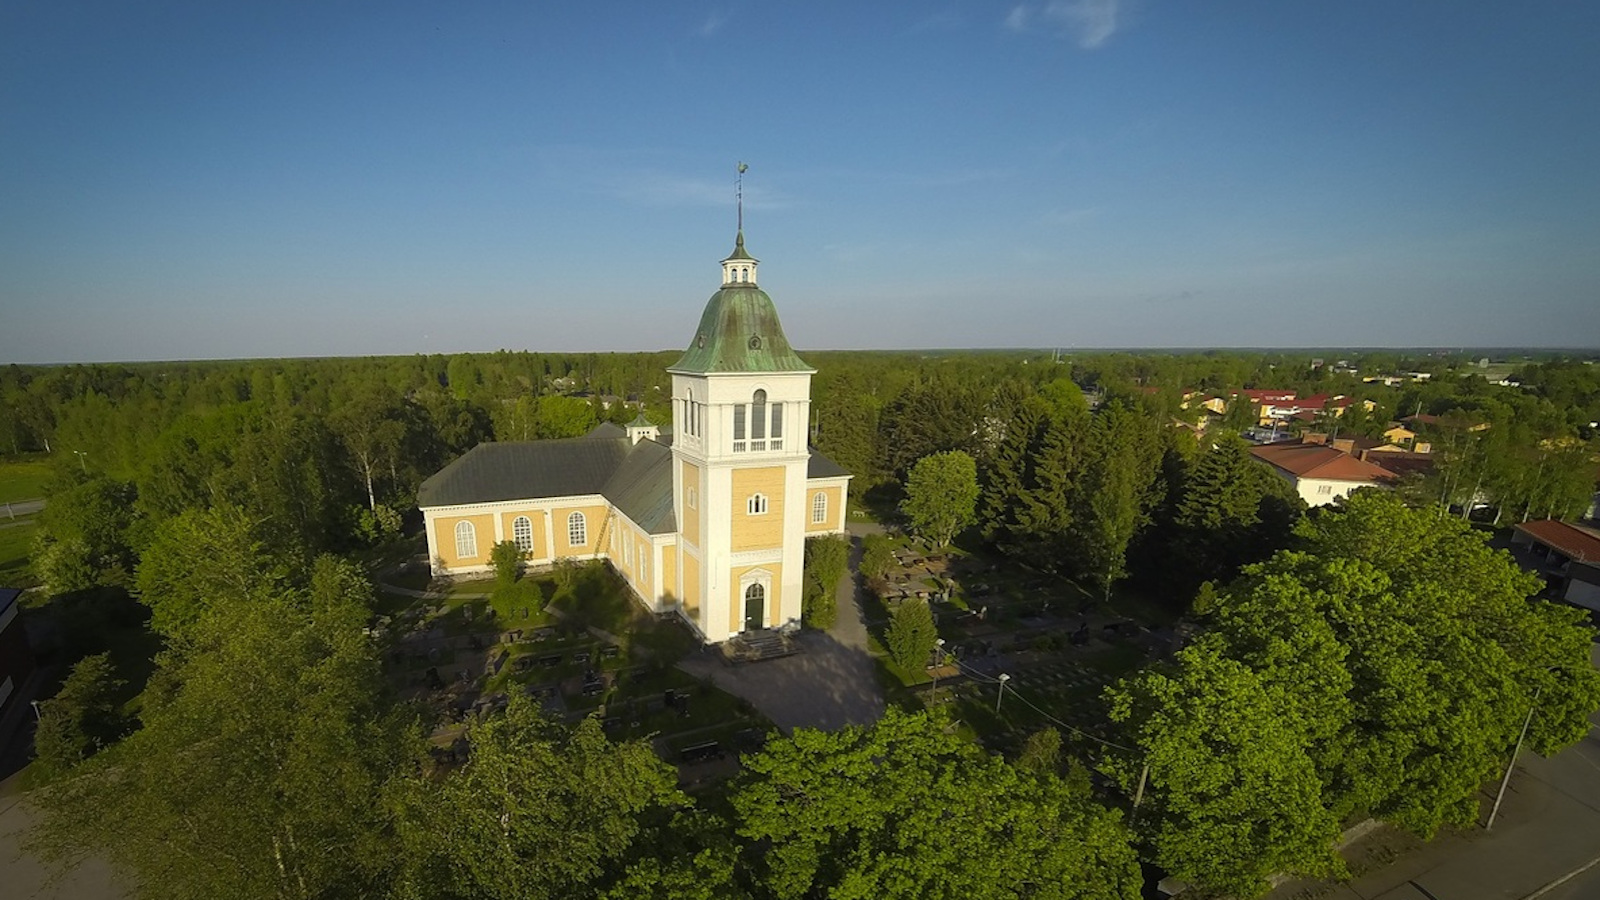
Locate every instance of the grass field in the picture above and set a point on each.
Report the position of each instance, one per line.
(15, 541)
(23, 477)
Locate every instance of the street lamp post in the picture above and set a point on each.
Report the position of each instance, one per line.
(1500, 795)
(81, 464)
(1002, 694)
(938, 663)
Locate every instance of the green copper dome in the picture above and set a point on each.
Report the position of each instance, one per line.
(739, 331)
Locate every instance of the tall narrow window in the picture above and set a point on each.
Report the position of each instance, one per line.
(522, 533)
(819, 508)
(577, 530)
(776, 435)
(756, 505)
(758, 416)
(466, 540)
(689, 413)
(738, 428)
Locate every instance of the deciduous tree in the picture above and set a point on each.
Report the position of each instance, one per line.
(902, 809)
(1231, 795)
(259, 764)
(538, 811)
(941, 495)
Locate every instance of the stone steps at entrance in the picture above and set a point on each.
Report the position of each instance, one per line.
(755, 646)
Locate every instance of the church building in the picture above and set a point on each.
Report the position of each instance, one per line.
(708, 520)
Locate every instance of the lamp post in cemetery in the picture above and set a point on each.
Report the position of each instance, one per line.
(938, 663)
(1002, 694)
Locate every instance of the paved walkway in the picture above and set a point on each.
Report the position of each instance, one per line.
(830, 684)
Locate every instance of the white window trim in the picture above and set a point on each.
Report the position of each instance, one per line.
(757, 505)
(819, 508)
(577, 526)
(466, 540)
(515, 523)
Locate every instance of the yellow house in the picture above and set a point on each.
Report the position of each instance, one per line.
(708, 521)
(1400, 435)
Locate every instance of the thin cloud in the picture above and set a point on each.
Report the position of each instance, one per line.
(945, 20)
(712, 24)
(1088, 22)
(660, 189)
(1178, 297)
(1072, 216)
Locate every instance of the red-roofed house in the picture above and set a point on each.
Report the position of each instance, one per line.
(1567, 555)
(1319, 473)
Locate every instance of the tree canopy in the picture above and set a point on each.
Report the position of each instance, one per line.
(904, 810)
(941, 495)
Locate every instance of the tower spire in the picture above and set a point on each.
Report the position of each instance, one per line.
(738, 194)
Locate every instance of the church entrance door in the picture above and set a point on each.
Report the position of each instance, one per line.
(755, 597)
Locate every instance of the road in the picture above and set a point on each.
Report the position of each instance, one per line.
(15, 511)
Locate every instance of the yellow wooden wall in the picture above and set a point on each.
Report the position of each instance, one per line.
(669, 575)
(835, 509)
(761, 532)
(537, 518)
(691, 587)
(445, 539)
(595, 516)
(770, 611)
(690, 526)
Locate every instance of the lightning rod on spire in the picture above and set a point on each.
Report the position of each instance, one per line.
(738, 193)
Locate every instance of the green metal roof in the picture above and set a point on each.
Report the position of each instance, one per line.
(739, 332)
(738, 250)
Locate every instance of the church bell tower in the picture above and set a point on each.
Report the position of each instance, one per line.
(741, 400)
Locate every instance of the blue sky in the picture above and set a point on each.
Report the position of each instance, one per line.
(199, 180)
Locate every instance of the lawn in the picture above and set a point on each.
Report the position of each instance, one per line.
(24, 477)
(15, 542)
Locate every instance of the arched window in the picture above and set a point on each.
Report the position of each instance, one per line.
(756, 505)
(758, 420)
(819, 508)
(466, 541)
(689, 414)
(522, 533)
(577, 530)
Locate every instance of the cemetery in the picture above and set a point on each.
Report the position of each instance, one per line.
(572, 640)
(1057, 644)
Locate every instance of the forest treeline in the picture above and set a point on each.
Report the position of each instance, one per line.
(331, 451)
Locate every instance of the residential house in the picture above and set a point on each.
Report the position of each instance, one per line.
(1566, 555)
(1320, 474)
